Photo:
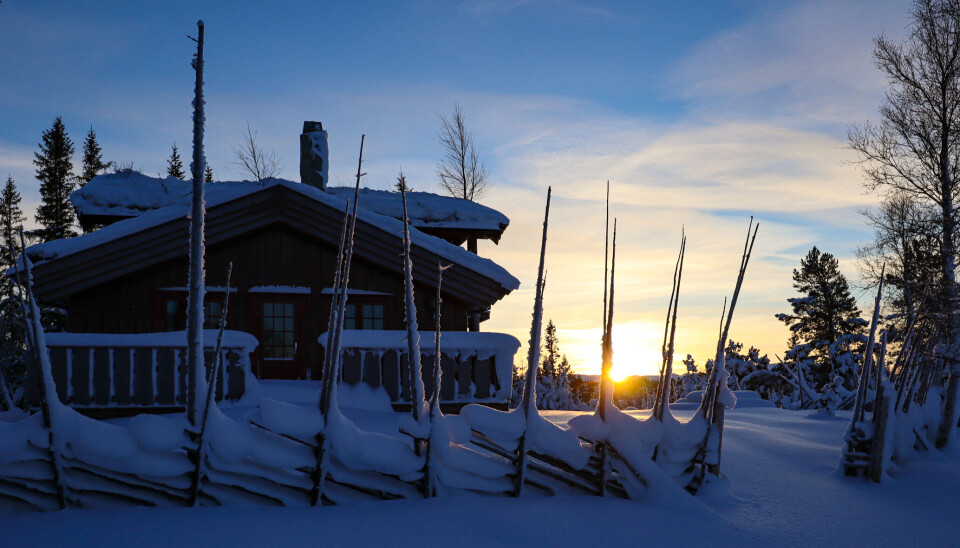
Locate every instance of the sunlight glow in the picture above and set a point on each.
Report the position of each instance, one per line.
(636, 349)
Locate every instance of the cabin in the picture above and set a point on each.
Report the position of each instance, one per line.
(124, 286)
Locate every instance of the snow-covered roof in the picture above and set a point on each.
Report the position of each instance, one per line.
(220, 193)
(130, 194)
(426, 209)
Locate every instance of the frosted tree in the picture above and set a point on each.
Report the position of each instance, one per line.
(915, 149)
(432, 483)
(692, 380)
(329, 405)
(528, 404)
(717, 395)
(52, 410)
(417, 397)
(553, 375)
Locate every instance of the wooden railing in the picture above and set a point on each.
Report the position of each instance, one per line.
(147, 369)
(475, 367)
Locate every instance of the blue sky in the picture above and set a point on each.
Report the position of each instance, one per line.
(700, 114)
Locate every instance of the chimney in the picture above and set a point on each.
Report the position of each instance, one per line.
(314, 155)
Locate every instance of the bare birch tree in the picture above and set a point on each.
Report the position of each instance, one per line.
(251, 159)
(915, 148)
(461, 171)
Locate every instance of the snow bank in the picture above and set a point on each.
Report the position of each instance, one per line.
(159, 433)
(363, 396)
(293, 420)
(362, 450)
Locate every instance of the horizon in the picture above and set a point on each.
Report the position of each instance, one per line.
(698, 117)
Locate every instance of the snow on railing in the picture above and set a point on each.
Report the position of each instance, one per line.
(477, 367)
(122, 370)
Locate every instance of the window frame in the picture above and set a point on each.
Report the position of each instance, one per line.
(294, 367)
(388, 302)
(162, 296)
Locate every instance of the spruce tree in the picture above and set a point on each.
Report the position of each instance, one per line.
(552, 362)
(11, 216)
(208, 174)
(825, 323)
(55, 173)
(175, 164)
(553, 374)
(11, 320)
(93, 163)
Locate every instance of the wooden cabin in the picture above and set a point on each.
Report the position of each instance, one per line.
(281, 237)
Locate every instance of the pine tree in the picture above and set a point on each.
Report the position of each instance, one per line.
(208, 174)
(175, 164)
(11, 320)
(55, 173)
(825, 322)
(93, 163)
(552, 362)
(10, 216)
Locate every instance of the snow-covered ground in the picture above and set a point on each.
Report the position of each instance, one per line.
(782, 490)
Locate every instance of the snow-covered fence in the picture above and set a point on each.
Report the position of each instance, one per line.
(268, 458)
(128, 370)
(476, 367)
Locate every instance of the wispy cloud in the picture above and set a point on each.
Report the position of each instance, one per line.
(488, 8)
(809, 61)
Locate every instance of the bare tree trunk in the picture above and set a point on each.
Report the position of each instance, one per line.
(431, 483)
(528, 404)
(865, 370)
(417, 397)
(711, 408)
(48, 388)
(197, 384)
(331, 371)
(211, 393)
(662, 400)
(606, 382)
(948, 419)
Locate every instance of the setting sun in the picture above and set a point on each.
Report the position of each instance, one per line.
(636, 349)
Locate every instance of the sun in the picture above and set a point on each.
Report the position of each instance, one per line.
(631, 358)
(636, 349)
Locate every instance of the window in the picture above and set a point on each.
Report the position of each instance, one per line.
(278, 331)
(371, 316)
(174, 316)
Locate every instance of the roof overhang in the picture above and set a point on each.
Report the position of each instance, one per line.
(136, 244)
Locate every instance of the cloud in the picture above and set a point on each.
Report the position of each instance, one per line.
(562, 8)
(810, 61)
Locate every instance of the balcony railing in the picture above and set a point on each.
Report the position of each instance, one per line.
(475, 367)
(141, 369)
